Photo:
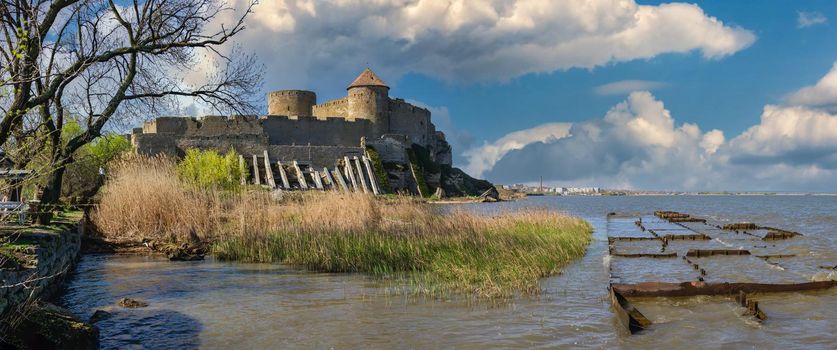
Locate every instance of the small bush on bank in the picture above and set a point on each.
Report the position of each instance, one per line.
(210, 169)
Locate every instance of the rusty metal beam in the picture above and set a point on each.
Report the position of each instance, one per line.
(688, 289)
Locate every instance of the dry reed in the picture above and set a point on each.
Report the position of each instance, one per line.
(486, 256)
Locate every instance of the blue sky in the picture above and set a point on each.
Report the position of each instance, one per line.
(705, 94)
(727, 93)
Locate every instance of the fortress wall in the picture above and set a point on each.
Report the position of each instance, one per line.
(331, 131)
(333, 108)
(318, 156)
(412, 121)
(207, 126)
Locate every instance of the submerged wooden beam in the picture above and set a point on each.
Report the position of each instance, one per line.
(688, 237)
(697, 253)
(751, 305)
(688, 289)
(645, 255)
(627, 314)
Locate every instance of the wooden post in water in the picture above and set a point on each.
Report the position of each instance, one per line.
(360, 174)
(241, 168)
(256, 179)
(348, 165)
(300, 176)
(340, 181)
(373, 182)
(329, 179)
(283, 175)
(268, 172)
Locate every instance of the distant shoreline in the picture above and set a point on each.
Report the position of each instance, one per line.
(650, 194)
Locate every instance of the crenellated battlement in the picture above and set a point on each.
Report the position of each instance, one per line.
(296, 127)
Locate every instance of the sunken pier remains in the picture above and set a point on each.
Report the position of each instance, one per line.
(671, 254)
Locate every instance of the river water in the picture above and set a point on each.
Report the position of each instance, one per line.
(219, 305)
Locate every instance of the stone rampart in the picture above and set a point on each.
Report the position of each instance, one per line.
(333, 108)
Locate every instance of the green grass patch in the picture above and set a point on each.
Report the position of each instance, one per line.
(494, 261)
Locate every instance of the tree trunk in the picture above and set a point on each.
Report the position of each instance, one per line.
(52, 193)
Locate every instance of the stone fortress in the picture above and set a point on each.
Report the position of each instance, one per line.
(296, 128)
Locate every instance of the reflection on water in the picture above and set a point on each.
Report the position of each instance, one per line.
(217, 305)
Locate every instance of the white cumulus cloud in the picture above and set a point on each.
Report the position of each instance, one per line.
(822, 94)
(317, 44)
(638, 144)
(483, 158)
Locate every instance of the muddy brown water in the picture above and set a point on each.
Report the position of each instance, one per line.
(219, 305)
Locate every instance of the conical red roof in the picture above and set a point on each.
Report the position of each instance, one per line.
(367, 78)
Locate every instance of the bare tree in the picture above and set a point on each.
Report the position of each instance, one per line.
(102, 62)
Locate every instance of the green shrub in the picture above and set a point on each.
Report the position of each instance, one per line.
(210, 169)
(419, 173)
(380, 172)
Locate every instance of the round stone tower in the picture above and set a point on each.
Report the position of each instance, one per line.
(369, 99)
(291, 103)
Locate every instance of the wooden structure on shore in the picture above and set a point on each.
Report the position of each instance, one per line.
(355, 174)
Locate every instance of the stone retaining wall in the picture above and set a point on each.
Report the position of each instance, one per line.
(53, 255)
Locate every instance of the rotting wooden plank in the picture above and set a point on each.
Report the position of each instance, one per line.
(268, 172)
(256, 179)
(348, 167)
(688, 237)
(300, 176)
(284, 176)
(318, 182)
(646, 255)
(751, 305)
(688, 289)
(329, 179)
(340, 181)
(360, 174)
(627, 314)
(775, 234)
(373, 182)
(776, 256)
(697, 253)
(626, 238)
(241, 168)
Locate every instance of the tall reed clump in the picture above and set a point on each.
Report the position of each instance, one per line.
(144, 199)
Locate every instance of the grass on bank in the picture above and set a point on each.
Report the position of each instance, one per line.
(484, 256)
